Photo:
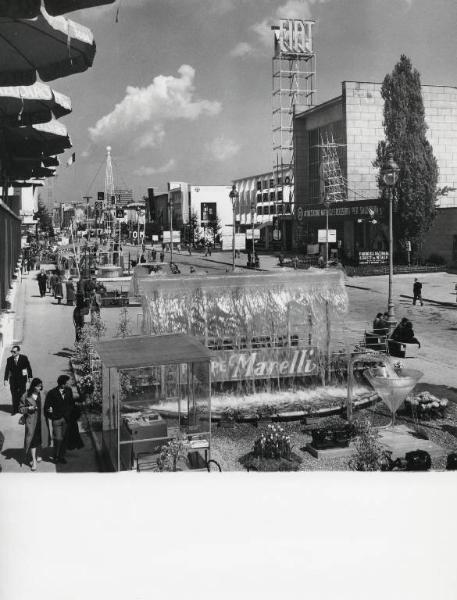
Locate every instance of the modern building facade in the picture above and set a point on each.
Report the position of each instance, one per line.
(204, 203)
(269, 203)
(346, 131)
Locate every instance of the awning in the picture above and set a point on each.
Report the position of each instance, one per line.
(31, 104)
(28, 9)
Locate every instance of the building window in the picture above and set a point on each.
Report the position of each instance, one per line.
(259, 185)
(280, 195)
(279, 180)
(265, 197)
(265, 184)
(272, 196)
(272, 183)
(208, 211)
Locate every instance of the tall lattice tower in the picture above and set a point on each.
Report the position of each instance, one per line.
(109, 190)
(294, 74)
(333, 185)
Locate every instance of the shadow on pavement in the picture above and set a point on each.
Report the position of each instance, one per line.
(16, 454)
(450, 429)
(5, 408)
(64, 353)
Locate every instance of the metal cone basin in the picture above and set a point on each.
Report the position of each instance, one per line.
(394, 387)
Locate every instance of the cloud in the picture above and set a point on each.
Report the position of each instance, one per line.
(152, 138)
(241, 49)
(221, 149)
(166, 98)
(142, 171)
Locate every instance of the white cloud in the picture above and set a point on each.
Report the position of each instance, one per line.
(166, 98)
(150, 139)
(142, 171)
(221, 149)
(241, 49)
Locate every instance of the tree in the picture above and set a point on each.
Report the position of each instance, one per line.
(43, 216)
(191, 230)
(405, 130)
(214, 228)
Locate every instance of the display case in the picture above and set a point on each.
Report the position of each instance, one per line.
(155, 389)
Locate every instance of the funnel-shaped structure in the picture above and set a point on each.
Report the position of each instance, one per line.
(393, 387)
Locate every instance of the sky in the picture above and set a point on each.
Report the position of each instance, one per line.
(181, 89)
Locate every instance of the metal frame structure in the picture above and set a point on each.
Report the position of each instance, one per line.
(293, 85)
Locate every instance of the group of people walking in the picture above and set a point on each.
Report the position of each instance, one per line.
(53, 284)
(56, 419)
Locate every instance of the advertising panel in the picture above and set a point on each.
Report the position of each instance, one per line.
(295, 36)
(373, 257)
(264, 363)
(322, 236)
(167, 237)
(240, 241)
(256, 234)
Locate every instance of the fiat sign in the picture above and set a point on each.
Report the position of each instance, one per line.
(295, 36)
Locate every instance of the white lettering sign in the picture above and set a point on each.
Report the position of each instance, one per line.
(295, 36)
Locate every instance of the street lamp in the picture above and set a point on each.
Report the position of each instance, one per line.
(390, 176)
(233, 197)
(253, 211)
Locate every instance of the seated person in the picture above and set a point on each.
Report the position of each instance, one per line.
(378, 323)
(404, 333)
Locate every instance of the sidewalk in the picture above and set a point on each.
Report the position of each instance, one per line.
(46, 334)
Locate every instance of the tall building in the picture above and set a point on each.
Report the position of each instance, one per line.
(354, 121)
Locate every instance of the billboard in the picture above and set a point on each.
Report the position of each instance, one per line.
(240, 241)
(167, 237)
(322, 236)
(295, 36)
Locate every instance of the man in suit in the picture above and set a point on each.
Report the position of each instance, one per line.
(58, 408)
(17, 372)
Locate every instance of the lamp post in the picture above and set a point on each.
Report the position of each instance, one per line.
(253, 210)
(390, 177)
(170, 208)
(233, 197)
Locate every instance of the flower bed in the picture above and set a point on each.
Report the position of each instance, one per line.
(272, 452)
(426, 406)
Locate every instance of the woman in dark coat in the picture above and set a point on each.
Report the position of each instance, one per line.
(36, 427)
(58, 290)
(70, 292)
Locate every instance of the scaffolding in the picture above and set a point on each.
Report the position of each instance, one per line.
(333, 184)
(293, 83)
(108, 207)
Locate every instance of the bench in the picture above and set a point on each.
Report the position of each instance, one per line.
(375, 341)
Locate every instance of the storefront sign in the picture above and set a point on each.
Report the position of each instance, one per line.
(373, 258)
(240, 241)
(342, 211)
(295, 36)
(264, 363)
(256, 234)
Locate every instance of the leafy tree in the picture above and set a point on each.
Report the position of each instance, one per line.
(43, 216)
(405, 129)
(214, 228)
(191, 230)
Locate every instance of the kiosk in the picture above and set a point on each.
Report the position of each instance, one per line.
(156, 389)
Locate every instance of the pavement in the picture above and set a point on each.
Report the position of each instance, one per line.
(45, 332)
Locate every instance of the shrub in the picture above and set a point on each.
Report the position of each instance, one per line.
(369, 455)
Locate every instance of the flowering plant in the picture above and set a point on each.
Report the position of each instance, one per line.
(87, 384)
(273, 443)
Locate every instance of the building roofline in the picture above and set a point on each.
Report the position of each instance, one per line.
(325, 104)
(380, 83)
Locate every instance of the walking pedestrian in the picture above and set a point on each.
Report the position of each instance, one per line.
(78, 321)
(154, 255)
(70, 290)
(52, 281)
(417, 292)
(58, 408)
(189, 249)
(36, 434)
(42, 279)
(17, 372)
(94, 306)
(58, 290)
(162, 256)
